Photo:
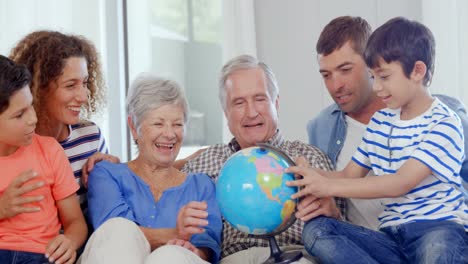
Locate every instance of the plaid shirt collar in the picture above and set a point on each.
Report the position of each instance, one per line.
(276, 141)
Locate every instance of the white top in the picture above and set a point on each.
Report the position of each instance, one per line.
(361, 212)
(435, 139)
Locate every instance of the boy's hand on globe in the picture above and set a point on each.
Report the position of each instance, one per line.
(191, 219)
(13, 200)
(312, 183)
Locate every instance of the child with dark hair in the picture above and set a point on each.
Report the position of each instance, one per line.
(415, 148)
(37, 187)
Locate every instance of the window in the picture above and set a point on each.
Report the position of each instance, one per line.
(181, 40)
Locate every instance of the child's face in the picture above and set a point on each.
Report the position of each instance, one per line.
(18, 121)
(66, 100)
(391, 84)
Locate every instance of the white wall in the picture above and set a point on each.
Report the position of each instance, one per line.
(448, 20)
(287, 32)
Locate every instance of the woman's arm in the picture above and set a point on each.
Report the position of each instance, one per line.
(105, 197)
(192, 219)
(158, 236)
(198, 226)
(209, 241)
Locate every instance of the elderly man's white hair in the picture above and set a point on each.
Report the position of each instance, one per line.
(244, 62)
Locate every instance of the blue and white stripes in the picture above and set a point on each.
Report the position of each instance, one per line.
(434, 138)
(84, 140)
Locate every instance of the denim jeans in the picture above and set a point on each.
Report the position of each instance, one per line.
(334, 241)
(21, 257)
(431, 241)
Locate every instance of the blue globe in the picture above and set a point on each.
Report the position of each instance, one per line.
(252, 193)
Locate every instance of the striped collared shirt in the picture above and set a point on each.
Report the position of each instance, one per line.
(435, 139)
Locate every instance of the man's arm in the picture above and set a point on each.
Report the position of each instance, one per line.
(180, 163)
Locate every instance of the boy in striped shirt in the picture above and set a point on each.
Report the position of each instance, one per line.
(415, 147)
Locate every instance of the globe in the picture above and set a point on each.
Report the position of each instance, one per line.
(252, 193)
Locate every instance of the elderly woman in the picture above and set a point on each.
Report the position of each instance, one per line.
(147, 211)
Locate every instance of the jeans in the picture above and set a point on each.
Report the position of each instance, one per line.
(431, 241)
(21, 257)
(334, 241)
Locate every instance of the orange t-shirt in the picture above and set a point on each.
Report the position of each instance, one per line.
(32, 231)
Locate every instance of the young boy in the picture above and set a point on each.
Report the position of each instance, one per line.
(37, 187)
(415, 147)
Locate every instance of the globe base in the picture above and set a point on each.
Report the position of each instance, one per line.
(284, 258)
(279, 257)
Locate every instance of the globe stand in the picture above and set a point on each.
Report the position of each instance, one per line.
(278, 256)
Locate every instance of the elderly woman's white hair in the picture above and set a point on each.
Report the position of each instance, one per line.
(148, 92)
(244, 62)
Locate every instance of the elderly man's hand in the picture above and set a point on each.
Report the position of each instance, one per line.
(310, 207)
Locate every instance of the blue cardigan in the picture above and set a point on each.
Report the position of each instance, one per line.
(115, 191)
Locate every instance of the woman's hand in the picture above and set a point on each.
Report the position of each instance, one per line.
(191, 219)
(13, 201)
(61, 250)
(92, 160)
(186, 244)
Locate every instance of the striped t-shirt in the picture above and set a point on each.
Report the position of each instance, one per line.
(434, 138)
(84, 140)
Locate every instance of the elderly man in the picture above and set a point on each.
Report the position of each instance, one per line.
(250, 98)
(338, 129)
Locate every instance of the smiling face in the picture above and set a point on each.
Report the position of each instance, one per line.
(251, 113)
(346, 78)
(70, 93)
(160, 135)
(393, 87)
(17, 122)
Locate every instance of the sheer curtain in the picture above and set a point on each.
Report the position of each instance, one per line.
(239, 37)
(239, 29)
(98, 21)
(448, 20)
